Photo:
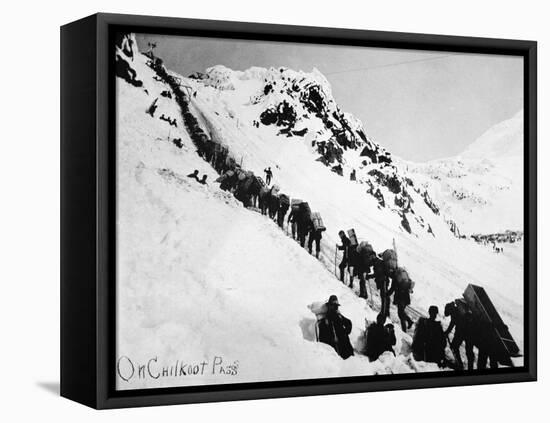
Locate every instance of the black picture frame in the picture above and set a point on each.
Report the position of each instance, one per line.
(88, 205)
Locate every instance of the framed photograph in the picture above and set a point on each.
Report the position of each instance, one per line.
(257, 211)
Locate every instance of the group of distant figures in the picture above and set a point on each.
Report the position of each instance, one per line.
(195, 176)
(153, 108)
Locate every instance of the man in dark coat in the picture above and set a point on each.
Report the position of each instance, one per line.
(284, 204)
(364, 259)
(303, 224)
(382, 276)
(346, 244)
(315, 235)
(380, 338)
(334, 329)
(268, 175)
(429, 339)
(292, 220)
(463, 324)
(401, 288)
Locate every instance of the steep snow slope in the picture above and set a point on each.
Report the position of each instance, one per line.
(200, 276)
(441, 265)
(482, 188)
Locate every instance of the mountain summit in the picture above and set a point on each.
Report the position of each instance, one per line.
(481, 189)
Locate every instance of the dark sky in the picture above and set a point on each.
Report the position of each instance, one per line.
(420, 105)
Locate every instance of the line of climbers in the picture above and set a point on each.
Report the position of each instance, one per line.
(252, 190)
(359, 258)
(248, 188)
(214, 153)
(429, 339)
(254, 193)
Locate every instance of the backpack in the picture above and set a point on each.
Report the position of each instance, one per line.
(403, 280)
(365, 249)
(248, 183)
(318, 224)
(390, 258)
(284, 200)
(352, 237)
(305, 211)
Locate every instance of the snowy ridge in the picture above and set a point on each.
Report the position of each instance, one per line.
(482, 188)
(243, 285)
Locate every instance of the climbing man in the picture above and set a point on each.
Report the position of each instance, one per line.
(429, 339)
(401, 288)
(364, 259)
(303, 222)
(203, 180)
(315, 235)
(334, 329)
(194, 175)
(268, 175)
(345, 257)
(384, 267)
(284, 204)
(380, 338)
(463, 324)
(292, 220)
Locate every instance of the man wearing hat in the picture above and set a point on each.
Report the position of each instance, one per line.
(334, 329)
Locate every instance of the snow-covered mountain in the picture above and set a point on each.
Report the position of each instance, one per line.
(481, 189)
(199, 275)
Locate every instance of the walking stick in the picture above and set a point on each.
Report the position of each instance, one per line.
(335, 258)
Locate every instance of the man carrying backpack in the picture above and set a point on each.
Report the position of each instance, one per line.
(401, 289)
(364, 259)
(384, 267)
(462, 323)
(315, 235)
(346, 243)
(284, 204)
(303, 222)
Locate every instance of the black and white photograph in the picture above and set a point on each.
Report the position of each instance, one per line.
(275, 211)
(291, 211)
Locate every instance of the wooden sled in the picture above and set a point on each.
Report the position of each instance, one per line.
(499, 336)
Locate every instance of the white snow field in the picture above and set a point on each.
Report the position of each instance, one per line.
(201, 279)
(481, 188)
